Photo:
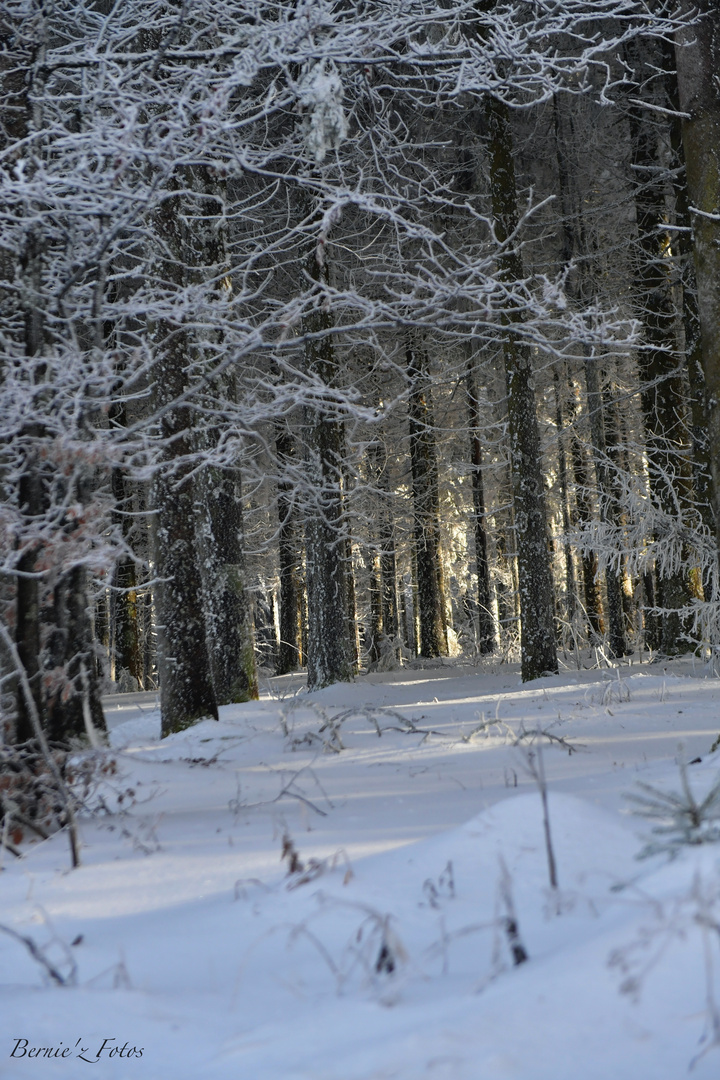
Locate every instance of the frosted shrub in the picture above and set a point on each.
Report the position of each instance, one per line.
(683, 820)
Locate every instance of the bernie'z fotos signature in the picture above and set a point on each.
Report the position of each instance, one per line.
(22, 1048)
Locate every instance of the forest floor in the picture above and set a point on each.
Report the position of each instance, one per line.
(414, 829)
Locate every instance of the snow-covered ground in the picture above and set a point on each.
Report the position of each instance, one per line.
(420, 832)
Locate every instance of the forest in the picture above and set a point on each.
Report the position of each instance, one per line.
(347, 335)
(359, 527)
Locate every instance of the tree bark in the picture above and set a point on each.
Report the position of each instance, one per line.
(289, 556)
(698, 62)
(487, 635)
(570, 585)
(384, 617)
(538, 650)
(426, 504)
(228, 615)
(186, 690)
(663, 393)
(329, 650)
(125, 644)
(608, 506)
(683, 245)
(591, 582)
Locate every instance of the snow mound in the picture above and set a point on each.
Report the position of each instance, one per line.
(138, 732)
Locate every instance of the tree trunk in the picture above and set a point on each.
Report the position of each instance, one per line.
(353, 636)
(186, 690)
(289, 557)
(374, 644)
(683, 245)
(591, 582)
(330, 653)
(385, 626)
(487, 636)
(570, 585)
(388, 562)
(608, 507)
(663, 393)
(72, 690)
(53, 625)
(228, 616)
(538, 651)
(27, 604)
(125, 645)
(426, 503)
(698, 62)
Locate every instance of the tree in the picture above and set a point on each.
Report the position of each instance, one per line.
(290, 650)
(426, 506)
(536, 584)
(699, 98)
(329, 646)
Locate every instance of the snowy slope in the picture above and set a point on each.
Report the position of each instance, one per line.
(388, 955)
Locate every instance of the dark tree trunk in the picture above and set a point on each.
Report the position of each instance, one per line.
(415, 601)
(591, 581)
(27, 604)
(330, 652)
(608, 506)
(683, 245)
(538, 651)
(186, 690)
(353, 637)
(663, 392)
(53, 625)
(228, 616)
(125, 643)
(388, 564)
(698, 62)
(572, 243)
(33, 496)
(289, 556)
(73, 705)
(374, 643)
(570, 585)
(228, 613)
(384, 619)
(487, 636)
(618, 457)
(426, 504)
(405, 613)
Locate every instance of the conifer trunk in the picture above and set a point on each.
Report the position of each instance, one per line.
(228, 615)
(487, 637)
(538, 650)
(570, 585)
(53, 625)
(663, 393)
(289, 557)
(698, 63)
(608, 508)
(186, 690)
(591, 583)
(426, 504)
(388, 561)
(683, 245)
(329, 650)
(124, 617)
(384, 598)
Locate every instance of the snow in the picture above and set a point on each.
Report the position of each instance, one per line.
(195, 946)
